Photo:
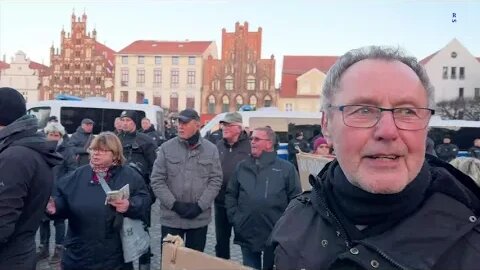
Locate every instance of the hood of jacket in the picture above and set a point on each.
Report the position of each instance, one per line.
(24, 132)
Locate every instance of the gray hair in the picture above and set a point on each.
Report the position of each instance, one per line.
(332, 81)
(54, 127)
(270, 133)
(469, 166)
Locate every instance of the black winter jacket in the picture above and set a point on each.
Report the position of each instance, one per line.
(256, 197)
(69, 164)
(443, 234)
(26, 180)
(80, 141)
(93, 238)
(152, 133)
(139, 148)
(230, 156)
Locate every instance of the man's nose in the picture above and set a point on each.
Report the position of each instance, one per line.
(386, 128)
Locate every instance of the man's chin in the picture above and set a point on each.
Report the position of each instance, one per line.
(382, 185)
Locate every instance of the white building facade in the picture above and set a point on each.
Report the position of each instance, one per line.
(23, 75)
(454, 72)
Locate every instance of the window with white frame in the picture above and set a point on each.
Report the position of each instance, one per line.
(229, 83)
(140, 77)
(124, 81)
(141, 60)
(157, 77)
(174, 60)
(124, 60)
(191, 60)
(190, 77)
(174, 78)
(158, 60)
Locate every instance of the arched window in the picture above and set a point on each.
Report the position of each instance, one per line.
(253, 101)
(225, 104)
(267, 101)
(239, 102)
(211, 104)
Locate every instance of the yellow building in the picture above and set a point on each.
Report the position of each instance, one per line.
(302, 81)
(164, 73)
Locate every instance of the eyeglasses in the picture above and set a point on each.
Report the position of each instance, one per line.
(98, 151)
(256, 139)
(405, 118)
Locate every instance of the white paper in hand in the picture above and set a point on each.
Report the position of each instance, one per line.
(123, 193)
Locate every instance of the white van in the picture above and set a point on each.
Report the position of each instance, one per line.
(283, 123)
(279, 121)
(103, 112)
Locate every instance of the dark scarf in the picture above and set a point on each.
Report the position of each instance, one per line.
(192, 141)
(354, 206)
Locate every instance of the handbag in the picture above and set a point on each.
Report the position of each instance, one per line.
(135, 238)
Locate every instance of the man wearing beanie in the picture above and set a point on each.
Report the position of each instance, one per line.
(26, 161)
(186, 178)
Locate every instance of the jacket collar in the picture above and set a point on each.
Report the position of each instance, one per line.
(242, 137)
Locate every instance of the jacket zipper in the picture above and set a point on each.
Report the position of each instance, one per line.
(266, 188)
(339, 225)
(385, 256)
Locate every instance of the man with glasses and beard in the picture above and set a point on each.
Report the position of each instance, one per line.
(257, 194)
(382, 203)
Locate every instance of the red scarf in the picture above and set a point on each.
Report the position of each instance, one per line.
(101, 169)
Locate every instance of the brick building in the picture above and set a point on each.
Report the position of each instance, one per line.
(240, 77)
(82, 66)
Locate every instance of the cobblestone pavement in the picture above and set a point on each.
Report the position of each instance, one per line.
(155, 232)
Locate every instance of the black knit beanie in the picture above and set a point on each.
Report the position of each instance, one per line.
(12, 105)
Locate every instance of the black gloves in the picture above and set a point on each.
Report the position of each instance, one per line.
(187, 210)
(180, 208)
(193, 211)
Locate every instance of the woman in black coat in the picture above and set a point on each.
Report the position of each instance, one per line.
(93, 237)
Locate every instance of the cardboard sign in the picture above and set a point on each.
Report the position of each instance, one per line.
(177, 257)
(310, 164)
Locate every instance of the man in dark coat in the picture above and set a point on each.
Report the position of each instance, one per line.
(26, 161)
(382, 204)
(81, 139)
(475, 149)
(149, 130)
(139, 149)
(294, 144)
(447, 151)
(257, 194)
(233, 148)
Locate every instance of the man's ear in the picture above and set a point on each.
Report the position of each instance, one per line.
(325, 127)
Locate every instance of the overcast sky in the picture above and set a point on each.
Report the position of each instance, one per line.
(290, 27)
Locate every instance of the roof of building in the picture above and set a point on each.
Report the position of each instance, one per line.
(166, 47)
(426, 59)
(299, 64)
(101, 48)
(35, 65)
(4, 65)
(295, 66)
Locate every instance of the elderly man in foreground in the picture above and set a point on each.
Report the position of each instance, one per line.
(382, 204)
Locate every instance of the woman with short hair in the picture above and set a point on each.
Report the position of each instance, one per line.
(93, 237)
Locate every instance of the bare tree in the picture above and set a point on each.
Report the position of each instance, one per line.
(460, 108)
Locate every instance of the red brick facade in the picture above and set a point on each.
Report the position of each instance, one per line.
(240, 77)
(82, 67)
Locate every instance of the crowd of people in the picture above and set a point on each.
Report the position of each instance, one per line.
(386, 192)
